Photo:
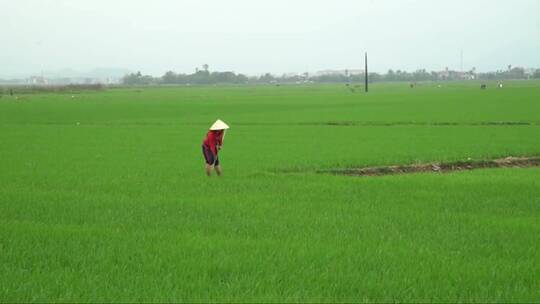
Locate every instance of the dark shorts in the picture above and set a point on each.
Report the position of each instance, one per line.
(209, 156)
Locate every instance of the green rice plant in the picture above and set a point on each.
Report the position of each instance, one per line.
(103, 197)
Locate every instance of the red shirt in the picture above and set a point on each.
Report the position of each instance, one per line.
(213, 139)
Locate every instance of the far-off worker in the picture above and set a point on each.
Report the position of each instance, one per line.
(211, 146)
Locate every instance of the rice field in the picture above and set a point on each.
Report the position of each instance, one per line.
(103, 195)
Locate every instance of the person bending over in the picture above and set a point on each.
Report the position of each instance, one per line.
(212, 145)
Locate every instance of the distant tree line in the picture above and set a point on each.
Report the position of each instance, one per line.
(511, 73)
(204, 76)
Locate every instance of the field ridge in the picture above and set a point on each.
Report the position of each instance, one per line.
(469, 164)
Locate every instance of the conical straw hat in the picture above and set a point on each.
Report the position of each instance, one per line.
(219, 125)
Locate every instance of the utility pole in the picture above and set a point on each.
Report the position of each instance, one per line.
(366, 73)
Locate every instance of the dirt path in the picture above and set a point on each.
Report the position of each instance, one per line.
(508, 162)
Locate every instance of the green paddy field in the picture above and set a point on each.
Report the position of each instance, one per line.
(103, 195)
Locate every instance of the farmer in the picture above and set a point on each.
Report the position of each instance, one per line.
(211, 146)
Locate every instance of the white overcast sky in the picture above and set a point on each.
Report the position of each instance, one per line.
(257, 36)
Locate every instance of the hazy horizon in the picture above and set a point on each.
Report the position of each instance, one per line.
(255, 37)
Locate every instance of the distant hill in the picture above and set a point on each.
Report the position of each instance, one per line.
(94, 73)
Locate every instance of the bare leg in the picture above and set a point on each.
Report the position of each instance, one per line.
(208, 169)
(218, 169)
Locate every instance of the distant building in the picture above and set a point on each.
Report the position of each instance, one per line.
(454, 75)
(344, 72)
(37, 80)
(529, 73)
(40, 80)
